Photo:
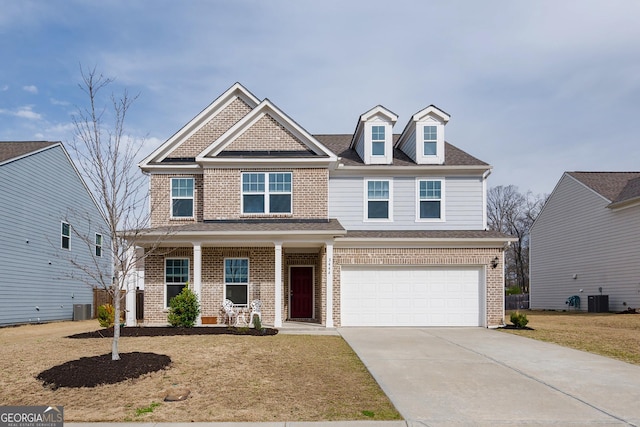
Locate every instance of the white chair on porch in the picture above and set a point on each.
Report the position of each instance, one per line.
(229, 311)
(255, 306)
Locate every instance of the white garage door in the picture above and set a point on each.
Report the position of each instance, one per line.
(402, 296)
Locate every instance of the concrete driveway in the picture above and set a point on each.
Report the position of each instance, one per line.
(476, 376)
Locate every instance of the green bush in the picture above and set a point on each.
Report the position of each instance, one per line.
(518, 319)
(513, 290)
(106, 314)
(257, 323)
(184, 309)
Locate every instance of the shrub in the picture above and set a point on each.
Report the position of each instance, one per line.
(106, 314)
(518, 319)
(513, 290)
(257, 323)
(184, 309)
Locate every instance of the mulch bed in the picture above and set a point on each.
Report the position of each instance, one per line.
(522, 328)
(96, 370)
(163, 331)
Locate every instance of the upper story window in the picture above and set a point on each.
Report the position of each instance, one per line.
(176, 277)
(430, 199)
(98, 245)
(266, 192)
(378, 200)
(65, 242)
(236, 279)
(430, 141)
(182, 197)
(377, 140)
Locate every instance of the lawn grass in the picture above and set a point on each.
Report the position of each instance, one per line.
(608, 334)
(231, 378)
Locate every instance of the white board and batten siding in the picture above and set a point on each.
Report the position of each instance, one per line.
(412, 296)
(37, 193)
(576, 235)
(463, 204)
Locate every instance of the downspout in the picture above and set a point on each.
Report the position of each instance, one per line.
(485, 175)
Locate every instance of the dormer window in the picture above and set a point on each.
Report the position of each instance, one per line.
(377, 140)
(430, 141)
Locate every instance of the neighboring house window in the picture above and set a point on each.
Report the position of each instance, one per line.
(66, 236)
(430, 141)
(236, 279)
(378, 200)
(182, 197)
(377, 140)
(430, 199)
(98, 244)
(176, 276)
(266, 192)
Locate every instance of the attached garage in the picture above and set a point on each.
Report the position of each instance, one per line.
(412, 296)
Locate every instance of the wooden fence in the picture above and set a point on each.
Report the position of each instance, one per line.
(101, 296)
(515, 302)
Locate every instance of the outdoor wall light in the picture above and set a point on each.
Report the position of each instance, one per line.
(494, 262)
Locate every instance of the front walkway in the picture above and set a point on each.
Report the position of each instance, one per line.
(483, 377)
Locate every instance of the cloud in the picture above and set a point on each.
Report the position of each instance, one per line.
(31, 89)
(5, 88)
(25, 112)
(58, 102)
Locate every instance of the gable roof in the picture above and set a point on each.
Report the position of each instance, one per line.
(341, 145)
(431, 110)
(265, 108)
(237, 91)
(617, 187)
(378, 110)
(12, 150)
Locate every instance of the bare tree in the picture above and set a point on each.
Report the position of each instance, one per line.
(106, 157)
(512, 212)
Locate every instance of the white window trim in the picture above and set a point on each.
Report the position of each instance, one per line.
(366, 200)
(266, 194)
(378, 159)
(224, 280)
(164, 265)
(98, 246)
(384, 141)
(438, 158)
(192, 198)
(62, 236)
(442, 200)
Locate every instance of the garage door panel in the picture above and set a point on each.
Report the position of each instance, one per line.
(402, 296)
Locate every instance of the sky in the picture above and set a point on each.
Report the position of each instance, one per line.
(534, 88)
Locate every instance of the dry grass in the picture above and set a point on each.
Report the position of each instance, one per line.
(612, 335)
(231, 378)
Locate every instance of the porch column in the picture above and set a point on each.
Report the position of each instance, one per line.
(197, 277)
(277, 322)
(130, 284)
(329, 269)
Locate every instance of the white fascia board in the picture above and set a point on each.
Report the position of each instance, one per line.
(263, 109)
(347, 242)
(252, 162)
(195, 124)
(417, 170)
(169, 168)
(31, 153)
(240, 238)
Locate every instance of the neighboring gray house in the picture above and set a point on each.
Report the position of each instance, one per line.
(364, 229)
(587, 237)
(45, 207)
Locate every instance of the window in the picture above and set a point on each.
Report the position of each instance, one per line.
(377, 140)
(182, 197)
(176, 276)
(98, 244)
(258, 197)
(430, 141)
(66, 236)
(378, 198)
(430, 199)
(236, 279)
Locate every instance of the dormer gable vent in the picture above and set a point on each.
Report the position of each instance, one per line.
(423, 137)
(373, 137)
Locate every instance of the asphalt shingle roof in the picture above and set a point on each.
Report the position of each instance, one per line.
(12, 149)
(614, 186)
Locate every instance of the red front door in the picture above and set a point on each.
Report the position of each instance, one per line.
(301, 292)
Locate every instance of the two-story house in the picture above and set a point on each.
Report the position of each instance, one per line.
(49, 217)
(369, 228)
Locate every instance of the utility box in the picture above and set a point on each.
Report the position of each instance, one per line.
(82, 311)
(598, 303)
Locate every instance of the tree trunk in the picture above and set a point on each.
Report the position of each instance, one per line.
(115, 355)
